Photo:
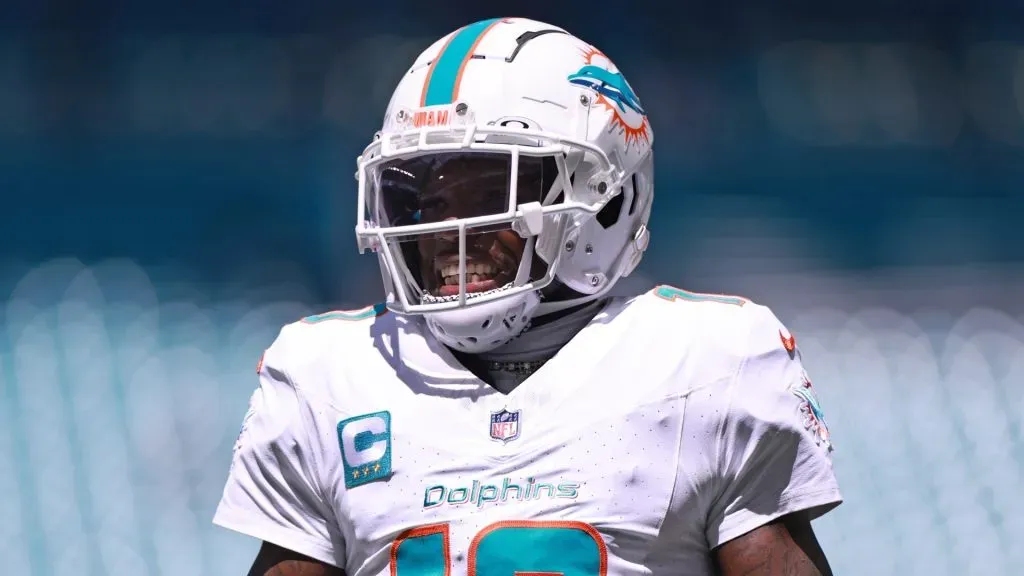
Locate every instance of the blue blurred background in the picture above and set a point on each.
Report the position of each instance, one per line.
(177, 183)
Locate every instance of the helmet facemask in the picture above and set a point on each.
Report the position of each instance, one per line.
(440, 256)
(470, 224)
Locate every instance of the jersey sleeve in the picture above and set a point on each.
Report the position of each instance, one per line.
(271, 492)
(773, 454)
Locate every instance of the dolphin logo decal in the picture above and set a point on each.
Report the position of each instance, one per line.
(611, 85)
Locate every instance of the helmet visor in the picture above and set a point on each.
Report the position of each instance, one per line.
(452, 187)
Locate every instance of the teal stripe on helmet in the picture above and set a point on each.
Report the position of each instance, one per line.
(444, 74)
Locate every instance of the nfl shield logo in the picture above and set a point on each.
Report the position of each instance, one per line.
(505, 425)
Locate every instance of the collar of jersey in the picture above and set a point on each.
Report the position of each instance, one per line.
(419, 351)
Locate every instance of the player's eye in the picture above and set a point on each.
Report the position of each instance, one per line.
(433, 205)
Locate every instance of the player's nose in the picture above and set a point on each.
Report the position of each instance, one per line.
(449, 235)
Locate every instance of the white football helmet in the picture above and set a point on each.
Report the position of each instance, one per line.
(514, 158)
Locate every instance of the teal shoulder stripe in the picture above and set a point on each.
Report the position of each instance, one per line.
(350, 315)
(444, 72)
(672, 293)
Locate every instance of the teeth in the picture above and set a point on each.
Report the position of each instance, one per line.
(474, 272)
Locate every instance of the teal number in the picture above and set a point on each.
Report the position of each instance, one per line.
(505, 549)
(672, 293)
(567, 548)
(350, 315)
(421, 551)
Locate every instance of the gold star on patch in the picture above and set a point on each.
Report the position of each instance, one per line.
(376, 467)
(355, 473)
(366, 470)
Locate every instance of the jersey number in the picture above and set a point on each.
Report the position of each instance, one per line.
(671, 293)
(508, 548)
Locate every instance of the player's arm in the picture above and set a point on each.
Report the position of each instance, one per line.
(274, 560)
(773, 465)
(273, 491)
(784, 547)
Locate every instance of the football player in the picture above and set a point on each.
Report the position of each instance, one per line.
(499, 414)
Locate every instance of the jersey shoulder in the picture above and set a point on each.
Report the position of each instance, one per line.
(707, 336)
(729, 322)
(318, 338)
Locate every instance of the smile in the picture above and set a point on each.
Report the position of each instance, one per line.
(480, 277)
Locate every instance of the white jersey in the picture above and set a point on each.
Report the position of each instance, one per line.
(671, 424)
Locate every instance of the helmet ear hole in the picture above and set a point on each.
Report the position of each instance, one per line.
(609, 215)
(632, 201)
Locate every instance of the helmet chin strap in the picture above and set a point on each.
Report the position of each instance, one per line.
(556, 301)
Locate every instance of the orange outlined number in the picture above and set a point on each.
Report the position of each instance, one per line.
(348, 315)
(423, 550)
(259, 365)
(788, 342)
(520, 547)
(671, 293)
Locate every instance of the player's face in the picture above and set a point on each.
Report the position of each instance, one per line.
(464, 188)
(454, 186)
